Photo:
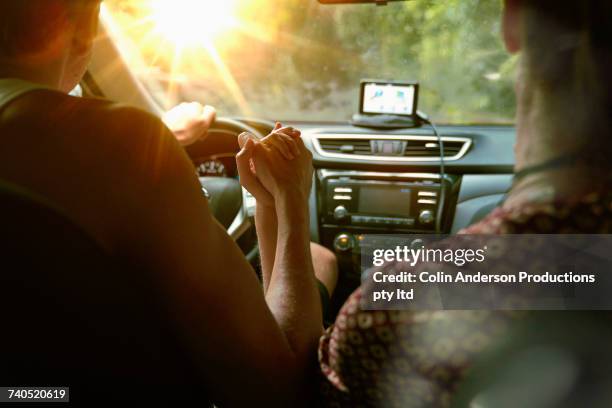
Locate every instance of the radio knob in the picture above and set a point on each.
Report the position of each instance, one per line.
(426, 217)
(340, 213)
(417, 244)
(343, 243)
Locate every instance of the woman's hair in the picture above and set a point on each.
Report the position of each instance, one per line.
(29, 27)
(568, 61)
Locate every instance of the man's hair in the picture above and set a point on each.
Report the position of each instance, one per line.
(30, 26)
(568, 59)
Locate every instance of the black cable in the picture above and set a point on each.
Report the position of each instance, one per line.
(442, 198)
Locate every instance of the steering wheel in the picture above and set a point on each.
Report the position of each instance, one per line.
(231, 204)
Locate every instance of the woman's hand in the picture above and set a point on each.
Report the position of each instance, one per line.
(189, 122)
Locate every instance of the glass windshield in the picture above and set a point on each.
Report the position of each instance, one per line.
(300, 60)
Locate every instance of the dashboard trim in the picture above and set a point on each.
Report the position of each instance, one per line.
(360, 174)
(467, 144)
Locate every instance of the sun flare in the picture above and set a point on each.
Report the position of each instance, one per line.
(164, 39)
(192, 22)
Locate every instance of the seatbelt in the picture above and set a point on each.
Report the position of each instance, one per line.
(13, 88)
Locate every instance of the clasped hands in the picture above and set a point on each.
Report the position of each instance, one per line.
(276, 167)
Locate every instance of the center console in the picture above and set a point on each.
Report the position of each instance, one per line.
(354, 203)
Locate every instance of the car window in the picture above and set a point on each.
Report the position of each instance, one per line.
(300, 60)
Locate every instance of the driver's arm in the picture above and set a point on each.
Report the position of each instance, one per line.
(189, 122)
(246, 356)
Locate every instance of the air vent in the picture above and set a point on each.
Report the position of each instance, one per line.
(431, 149)
(405, 148)
(347, 146)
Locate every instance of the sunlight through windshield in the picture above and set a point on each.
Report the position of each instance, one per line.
(299, 60)
(180, 21)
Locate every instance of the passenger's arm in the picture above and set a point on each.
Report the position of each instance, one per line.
(266, 221)
(293, 293)
(209, 286)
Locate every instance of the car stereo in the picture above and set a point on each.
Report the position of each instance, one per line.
(408, 204)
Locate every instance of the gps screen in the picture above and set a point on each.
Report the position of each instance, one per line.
(390, 99)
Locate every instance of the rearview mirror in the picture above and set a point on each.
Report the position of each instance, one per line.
(377, 2)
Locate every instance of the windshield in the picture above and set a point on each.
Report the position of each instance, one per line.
(300, 60)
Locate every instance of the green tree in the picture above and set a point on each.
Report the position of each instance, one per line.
(298, 59)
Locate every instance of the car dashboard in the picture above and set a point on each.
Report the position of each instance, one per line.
(370, 181)
(478, 162)
(389, 182)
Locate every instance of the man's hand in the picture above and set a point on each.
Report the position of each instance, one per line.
(189, 122)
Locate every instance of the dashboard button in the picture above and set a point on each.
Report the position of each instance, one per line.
(340, 213)
(340, 197)
(344, 242)
(427, 201)
(432, 194)
(426, 217)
